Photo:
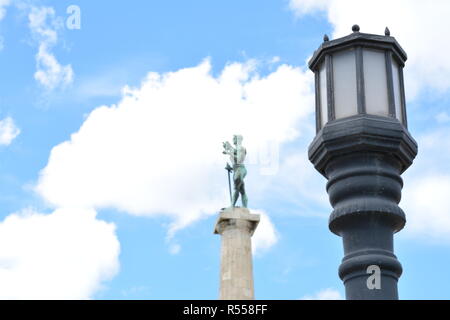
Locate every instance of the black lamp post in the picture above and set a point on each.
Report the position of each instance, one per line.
(362, 147)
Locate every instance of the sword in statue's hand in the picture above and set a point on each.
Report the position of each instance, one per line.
(229, 169)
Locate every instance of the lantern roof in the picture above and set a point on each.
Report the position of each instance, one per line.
(374, 41)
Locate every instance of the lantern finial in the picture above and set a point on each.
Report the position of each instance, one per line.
(387, 32)
(325, 38)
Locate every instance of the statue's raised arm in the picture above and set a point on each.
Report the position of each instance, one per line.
(228, 149)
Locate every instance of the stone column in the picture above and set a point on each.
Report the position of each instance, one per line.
(236, 226)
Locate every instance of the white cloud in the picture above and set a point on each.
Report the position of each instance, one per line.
(427, 189)
(158, 151)
(419, 26)
(3, 5)
(265, 235)
(8, 131)
(427, 207)
(44, 26)
(63, 255)
(300, 184)
(325, 294)
(302, 7)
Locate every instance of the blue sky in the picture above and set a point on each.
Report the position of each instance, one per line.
(111, 172)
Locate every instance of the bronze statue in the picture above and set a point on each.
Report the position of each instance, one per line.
(237, 155)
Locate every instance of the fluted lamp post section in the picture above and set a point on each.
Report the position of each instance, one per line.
(362, 147)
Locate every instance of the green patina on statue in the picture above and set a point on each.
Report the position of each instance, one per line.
(237, 155)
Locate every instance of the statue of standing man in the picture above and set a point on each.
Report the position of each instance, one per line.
(237, 155)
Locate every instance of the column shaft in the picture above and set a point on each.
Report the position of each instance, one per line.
(236, 227)
(364, 189)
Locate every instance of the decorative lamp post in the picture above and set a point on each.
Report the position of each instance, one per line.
(362, 147)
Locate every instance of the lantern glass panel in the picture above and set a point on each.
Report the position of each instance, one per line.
(344, 81)
(397, 93)
(323, 94)
(375, 82)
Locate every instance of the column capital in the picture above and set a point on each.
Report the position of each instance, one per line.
(236, 217)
